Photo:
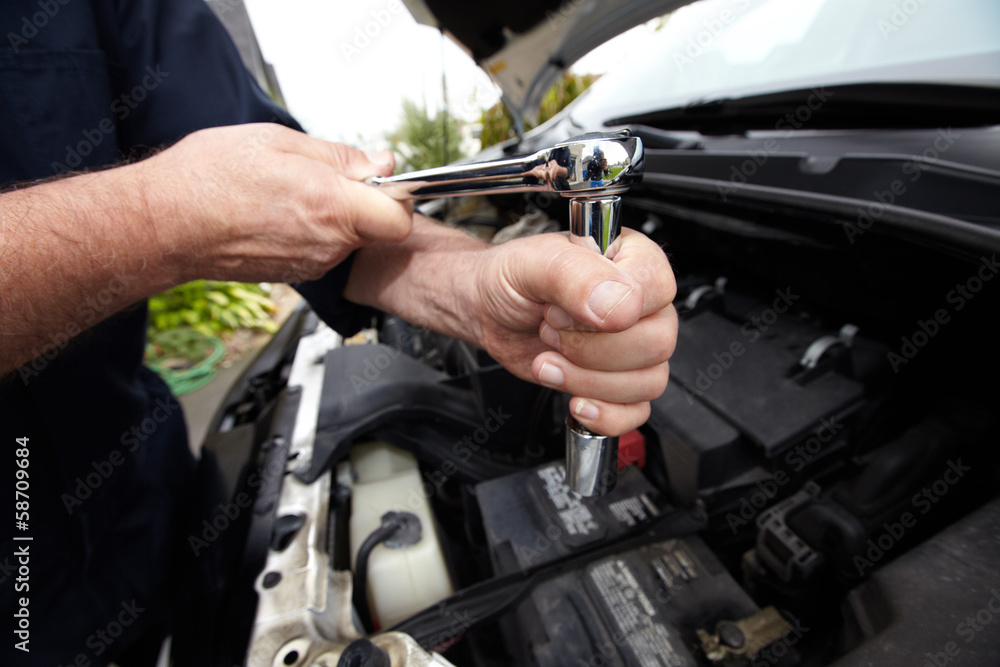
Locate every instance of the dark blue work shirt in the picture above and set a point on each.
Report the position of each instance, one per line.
(84, 84)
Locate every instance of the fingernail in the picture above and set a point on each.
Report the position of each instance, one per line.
(383, 158)
(558, 318)
(607, 296)
(549, 336)
(586, 409)
(551, 375)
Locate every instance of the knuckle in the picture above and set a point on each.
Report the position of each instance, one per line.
(573, 340)
(563, 262)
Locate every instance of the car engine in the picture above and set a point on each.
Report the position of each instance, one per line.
(825, 446)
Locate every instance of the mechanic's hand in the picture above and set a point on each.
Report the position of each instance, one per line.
(264, 202)
(601, 329)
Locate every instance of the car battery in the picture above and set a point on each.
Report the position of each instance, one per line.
(638, 608)
(635, 609)
(531, 517)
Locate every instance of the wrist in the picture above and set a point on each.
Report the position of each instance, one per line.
(158, 231)
(433, 279)
(483, 269)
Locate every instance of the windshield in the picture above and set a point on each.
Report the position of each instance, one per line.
(733, 48)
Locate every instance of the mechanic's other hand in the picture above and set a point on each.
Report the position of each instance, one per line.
(599, 328)
(264, 202)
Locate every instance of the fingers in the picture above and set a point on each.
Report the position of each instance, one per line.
(374, 216)
(606, 402)
(589, 287)
(370, 214)
(556, 371)
(609, 418)
(649, 343)
(351, 162)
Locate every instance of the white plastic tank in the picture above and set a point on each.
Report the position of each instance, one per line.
(401, 581)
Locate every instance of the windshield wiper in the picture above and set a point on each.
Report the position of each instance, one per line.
(851, 106)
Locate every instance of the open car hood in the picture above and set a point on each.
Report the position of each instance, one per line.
(526, 45)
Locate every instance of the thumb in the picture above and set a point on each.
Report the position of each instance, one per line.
(373, 215)
(589, 287)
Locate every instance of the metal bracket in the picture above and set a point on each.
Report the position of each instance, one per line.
(814, 353)
(691, 302)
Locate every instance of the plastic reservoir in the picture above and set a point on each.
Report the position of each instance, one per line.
(402, 581)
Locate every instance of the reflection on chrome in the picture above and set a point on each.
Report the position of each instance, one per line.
(591, 165)
(591, 461)
(594, 222)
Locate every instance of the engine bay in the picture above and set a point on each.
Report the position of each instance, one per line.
(822, 456)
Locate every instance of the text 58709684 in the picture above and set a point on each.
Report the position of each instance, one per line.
(21, 517)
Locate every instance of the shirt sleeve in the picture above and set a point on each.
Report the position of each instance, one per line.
(326, 298)
(178, 58)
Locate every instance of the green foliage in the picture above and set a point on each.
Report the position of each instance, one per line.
(211, 307)
(180, 348)
(498, 125)
(419, 139)
(567, 89)
(186, 359)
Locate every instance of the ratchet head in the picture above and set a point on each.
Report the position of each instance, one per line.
(591, 165)
(595, 164)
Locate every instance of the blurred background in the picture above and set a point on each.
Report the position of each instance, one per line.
(346, 70)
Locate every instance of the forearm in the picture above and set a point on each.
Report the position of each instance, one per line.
(426, 279)
(72, 253)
